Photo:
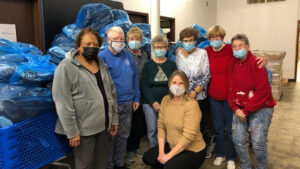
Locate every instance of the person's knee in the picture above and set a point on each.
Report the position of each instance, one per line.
(149, 158)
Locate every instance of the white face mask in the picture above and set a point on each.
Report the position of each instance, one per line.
(117, 46)
(177, 90)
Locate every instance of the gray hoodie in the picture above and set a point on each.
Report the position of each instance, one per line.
(78, 100)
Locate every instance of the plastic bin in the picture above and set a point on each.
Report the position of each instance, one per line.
(31, 143)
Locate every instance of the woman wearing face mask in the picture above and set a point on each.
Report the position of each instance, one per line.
(138, 128)
(251, 100)
(178, 123)
(219, 55)
(195, 65)
(86, 101)
(154, 84)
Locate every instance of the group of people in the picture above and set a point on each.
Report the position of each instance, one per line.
(103, 98)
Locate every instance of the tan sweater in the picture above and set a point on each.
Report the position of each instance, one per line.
(180, 123)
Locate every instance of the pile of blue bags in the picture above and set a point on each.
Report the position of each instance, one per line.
(101, 18)
(25, 77)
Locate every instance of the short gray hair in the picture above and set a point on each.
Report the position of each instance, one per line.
(241, 37)
(115, 29)
(160, 38)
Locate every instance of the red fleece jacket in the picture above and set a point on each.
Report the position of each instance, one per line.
(248, 85)
(218, 63)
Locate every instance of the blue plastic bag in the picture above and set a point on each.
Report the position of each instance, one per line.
(4, 122)
(18, 47)
(121, 15)
(62, 39)
(7, 69)
(71, 31)
(94, 15)
(203, 44)
(58, 53)
(18, 103)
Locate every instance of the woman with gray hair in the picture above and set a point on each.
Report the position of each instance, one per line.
(251, 100)
(154, 84)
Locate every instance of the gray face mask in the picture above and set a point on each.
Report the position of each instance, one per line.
(177, 90)
(117, 46)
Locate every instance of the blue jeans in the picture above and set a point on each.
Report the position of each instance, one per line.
(221, 115)
(151, 121)
(259, 123)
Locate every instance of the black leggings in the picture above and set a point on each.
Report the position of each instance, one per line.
(183, 160)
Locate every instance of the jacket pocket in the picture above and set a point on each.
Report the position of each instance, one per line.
(93, 116)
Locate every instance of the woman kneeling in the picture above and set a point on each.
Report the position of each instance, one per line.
(178, 122)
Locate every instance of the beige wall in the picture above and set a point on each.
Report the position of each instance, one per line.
(186, 12)
(269, 26)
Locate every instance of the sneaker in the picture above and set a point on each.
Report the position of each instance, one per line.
(122, 167)
(139, 152)
(130, 156)
(218, 161)
(230, 164)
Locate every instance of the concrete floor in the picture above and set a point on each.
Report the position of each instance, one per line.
(284, 134)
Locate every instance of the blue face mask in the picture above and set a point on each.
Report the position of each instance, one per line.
(188, 46)
(134, 45)
(240, 54)
(216, 43)
(160, 53)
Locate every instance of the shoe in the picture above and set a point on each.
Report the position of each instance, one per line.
(230, 164)
(139, 152)
(130, 156)
(122, 167)
(218, 161)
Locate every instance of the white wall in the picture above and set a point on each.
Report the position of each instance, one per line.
(185, 12)
(269, 26)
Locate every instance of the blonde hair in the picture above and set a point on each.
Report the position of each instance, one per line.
(135, 31)
(215, 30)
(185, 80)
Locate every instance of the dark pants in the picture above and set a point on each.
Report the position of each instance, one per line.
(138, 130)
(222, 119)
(92, 151)
(183, 160)
(204, 110)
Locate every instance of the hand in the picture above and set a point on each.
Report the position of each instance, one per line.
(262, 62)
(156, 106)
(193, 94)
(74, 141)
(113, 130)
(165, 158)
(198, 89)
(136, 105)
(160, 155)
(240, 114)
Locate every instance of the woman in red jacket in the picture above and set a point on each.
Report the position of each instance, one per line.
(219, 55)
(251, 100)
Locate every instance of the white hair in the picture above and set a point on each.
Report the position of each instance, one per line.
(114, 29)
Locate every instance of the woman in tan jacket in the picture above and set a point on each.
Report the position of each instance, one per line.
(178, 123)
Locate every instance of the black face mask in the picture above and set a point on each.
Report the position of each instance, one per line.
(90, 53)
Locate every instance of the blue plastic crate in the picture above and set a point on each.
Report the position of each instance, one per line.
(31, 143)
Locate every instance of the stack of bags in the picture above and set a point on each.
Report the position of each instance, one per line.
(25, 78)
(101, 18)
(275, 60)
